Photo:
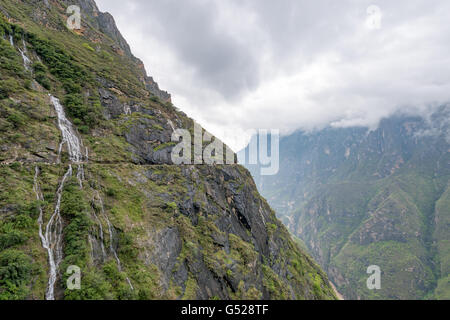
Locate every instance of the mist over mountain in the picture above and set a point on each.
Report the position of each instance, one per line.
(357, 198)
(89, 189)
(292, 64)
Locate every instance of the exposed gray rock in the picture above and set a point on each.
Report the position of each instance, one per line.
(153, 87)
(111, 104)
(166, 247)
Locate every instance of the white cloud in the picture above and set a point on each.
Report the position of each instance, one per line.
(291, 64)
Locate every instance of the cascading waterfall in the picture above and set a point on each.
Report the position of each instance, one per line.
(52, 238)
(26, 60)
(111, 236)
(23, 53)
(70, 138)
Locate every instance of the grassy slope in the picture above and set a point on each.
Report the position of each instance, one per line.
(442, 238)
(136, 217)
(405, 203)
(137, 208)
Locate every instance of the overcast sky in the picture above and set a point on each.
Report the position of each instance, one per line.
(291, 64)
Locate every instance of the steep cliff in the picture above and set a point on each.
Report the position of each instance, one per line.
(87, 180)
(359, 198)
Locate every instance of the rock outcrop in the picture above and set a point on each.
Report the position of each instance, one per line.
(136, 225)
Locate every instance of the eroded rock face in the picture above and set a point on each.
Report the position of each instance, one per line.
(359, 198)
(112, 106)
(138, 226)
(104, 22)
(143, 145)
(220, 203)
(153, 87)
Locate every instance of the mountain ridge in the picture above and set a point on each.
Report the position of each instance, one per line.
(85, 149)
(358, 198)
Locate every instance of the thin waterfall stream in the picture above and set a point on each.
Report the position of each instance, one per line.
(52, 238)
(70, 138)
(26, 60)
(23, 53)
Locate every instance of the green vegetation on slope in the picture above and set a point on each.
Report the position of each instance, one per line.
(358, 198)
(179, 232)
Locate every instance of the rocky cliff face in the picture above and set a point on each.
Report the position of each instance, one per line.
(87, 180)
(101, 24)
(358, 198)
